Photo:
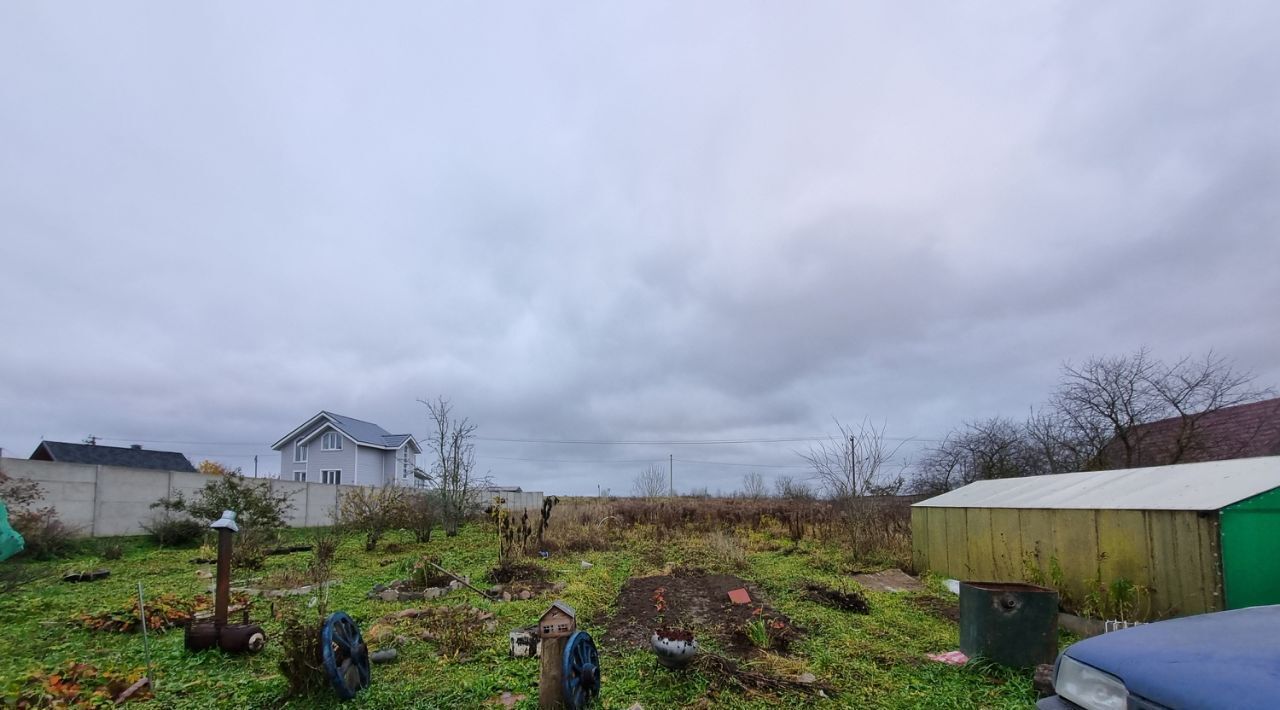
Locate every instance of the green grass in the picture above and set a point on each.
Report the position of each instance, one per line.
(874, 661)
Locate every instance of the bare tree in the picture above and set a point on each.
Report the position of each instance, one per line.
(753, 486)
(856, 463)
(791, 489)
(650, 483)
(979, 451)
(1100, 407)
(451, 443)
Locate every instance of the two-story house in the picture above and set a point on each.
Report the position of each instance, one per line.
(336, 450)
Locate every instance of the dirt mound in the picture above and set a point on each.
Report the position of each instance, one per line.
(852, 601)
(517, 572)
(699, 602)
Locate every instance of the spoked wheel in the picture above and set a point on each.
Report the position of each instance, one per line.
(581, 671)
(346, 658)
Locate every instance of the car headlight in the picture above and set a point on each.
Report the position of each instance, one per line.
(1089, 687)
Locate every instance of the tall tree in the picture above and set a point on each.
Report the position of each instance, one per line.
(451, 442)
(1102, 405)
(650, 483)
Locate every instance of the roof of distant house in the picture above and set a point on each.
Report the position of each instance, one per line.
(359, 430)
(96, 454)
(1238, 432)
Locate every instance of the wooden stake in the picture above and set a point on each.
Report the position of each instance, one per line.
(462, 581)
(550, 680)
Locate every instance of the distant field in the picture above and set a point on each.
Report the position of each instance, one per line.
(872, 660)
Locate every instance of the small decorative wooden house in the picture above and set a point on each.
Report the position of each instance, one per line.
(558, 621)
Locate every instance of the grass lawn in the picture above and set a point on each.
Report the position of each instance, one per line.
(872, 661)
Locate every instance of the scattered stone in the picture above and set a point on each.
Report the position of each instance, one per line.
(506, 596)
(585, 565)
(1043, 681)
(636, 706)
(526, 595)
(524, 642)
(406, 595)
(495, 589)
(204, 574)
(385, 655)
(378, 588)
(507, 699)
(433, 592)
(389, 595)
(408, 614)
(558, 587)
(806, 678)
(455, 584)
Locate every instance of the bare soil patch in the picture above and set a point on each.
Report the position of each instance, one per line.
(698, 602)
(941, 608)
(852, 601)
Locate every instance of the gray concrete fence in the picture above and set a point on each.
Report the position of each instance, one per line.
(101, 501)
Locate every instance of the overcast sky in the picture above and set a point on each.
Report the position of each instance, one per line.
(619, 221)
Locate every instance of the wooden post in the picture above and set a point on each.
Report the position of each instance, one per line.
(550, 682)
(554, 628)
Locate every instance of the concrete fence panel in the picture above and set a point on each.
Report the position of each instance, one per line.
(114, 500)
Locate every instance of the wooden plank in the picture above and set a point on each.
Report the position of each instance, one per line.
(1193, 559)
(957, 543)
(920, 539)
(1166, 593)
(1006, 544)
(1075, 547)
(1037, 541)
(981, 553)
(938, 541)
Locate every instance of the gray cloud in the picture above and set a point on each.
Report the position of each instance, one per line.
(619, 223)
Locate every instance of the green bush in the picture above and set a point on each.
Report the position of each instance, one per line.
(174, 531)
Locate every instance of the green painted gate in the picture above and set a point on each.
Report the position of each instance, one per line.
(1251, 551)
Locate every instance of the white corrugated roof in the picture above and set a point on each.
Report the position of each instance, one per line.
(1189, 486)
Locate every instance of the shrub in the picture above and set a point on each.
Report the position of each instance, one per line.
(111, 551)
(255, 503)
(420, 514)
(170, 530)
(44, 535)
(372, 511)
(300, 643)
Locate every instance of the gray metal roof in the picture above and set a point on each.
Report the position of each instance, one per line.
(359, 430)
(1192, 486)
(99, 455)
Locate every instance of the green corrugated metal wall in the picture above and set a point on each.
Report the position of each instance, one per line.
(1251, 551)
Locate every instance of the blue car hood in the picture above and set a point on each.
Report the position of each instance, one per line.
(1229, 659)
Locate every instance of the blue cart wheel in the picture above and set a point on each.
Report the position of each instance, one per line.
(580, 674)
(346, 658)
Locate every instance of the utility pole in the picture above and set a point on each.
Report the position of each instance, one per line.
(255, 465)
(853, 466)
(671, 475)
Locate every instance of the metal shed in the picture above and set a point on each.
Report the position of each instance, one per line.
(1194, 537)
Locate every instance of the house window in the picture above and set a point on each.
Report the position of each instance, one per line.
(331, 441)
(331, 476)
(300, 476)
(299, 452)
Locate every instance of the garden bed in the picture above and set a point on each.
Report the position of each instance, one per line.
(700, 603)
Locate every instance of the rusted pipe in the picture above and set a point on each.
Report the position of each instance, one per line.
(222, 592)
